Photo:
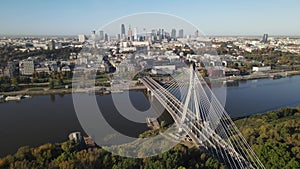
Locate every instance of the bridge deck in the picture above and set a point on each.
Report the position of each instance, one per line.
(197, 130)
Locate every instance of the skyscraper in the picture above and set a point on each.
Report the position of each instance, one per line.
(130, 34)
(93, 35)
(101, 35)
(265, 38)
(173, 33)
(197, 33)
(135, 34)
(123, 31)
(106, 37)
(181, 35)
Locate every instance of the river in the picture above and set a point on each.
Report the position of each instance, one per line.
(51, 118)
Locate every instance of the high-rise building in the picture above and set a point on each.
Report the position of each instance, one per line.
(51, 45)
(180, 33)
(26, 67)
(153, 35)
(93, 35)
(135, 34)
(130, 34)
(265, 38)
(144, 35)
(197, 33)
(106, 37)
(81, 38)
(123, 34)
(173, 33)
(101, 34)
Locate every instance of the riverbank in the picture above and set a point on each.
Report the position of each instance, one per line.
(264, 75)
(48, 91)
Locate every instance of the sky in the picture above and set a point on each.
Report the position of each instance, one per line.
(212, 17)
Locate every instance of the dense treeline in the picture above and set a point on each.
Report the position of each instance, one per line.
(275, 137)
(69, 155)
(269, 55)
(8, 53)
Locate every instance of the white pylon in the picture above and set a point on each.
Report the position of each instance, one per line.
(191, 90)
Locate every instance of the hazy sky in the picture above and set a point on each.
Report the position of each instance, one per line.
(213, 17)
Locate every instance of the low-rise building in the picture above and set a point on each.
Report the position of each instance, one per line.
(44, 69)
(165, 69)
(259, 69)
(231, 72)
(214, 72)
(65, 69)
(76, 136)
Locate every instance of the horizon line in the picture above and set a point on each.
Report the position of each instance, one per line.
(207, 35)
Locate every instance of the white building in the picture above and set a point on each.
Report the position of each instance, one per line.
(81, 38)
(26, 67)
(75, 136)
(65, 69)
(259, 69)
(165, 69)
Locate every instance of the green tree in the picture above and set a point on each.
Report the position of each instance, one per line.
(51, 84)
(14, 81)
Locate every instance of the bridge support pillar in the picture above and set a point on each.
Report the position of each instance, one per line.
(151, 96)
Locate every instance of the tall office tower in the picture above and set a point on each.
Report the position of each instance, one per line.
(153, 32)
(93, 35)
(106, 37)
(123, 34)
(129, 34)
(197, 33)
(101, 35)
(81, 38)
(162, 33)
(51, 45)
(153, 35)
(135, 34)
(119, 36)
(180, 33)
(144, 36)
(265, 38)
(173, 33)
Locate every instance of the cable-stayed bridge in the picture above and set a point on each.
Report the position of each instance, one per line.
(198, 113)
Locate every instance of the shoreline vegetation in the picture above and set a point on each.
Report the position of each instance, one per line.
(274, 136)
(48, 91)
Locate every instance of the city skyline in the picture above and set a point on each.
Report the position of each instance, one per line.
(124, 85)
(213, 18)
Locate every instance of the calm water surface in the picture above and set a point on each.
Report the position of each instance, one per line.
(43, 119)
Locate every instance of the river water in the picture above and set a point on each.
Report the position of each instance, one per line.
(51, 118)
